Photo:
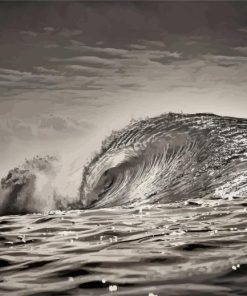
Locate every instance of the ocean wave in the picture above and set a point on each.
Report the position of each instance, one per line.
(168, 158)
(165, 159)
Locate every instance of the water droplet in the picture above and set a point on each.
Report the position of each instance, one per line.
(113, 288)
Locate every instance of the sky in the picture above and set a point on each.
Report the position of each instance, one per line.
(71, 72)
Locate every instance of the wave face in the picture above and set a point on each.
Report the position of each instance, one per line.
(168, 158)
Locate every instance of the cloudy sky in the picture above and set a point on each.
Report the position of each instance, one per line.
(71, 72)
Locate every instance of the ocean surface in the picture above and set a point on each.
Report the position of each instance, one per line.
(184, 248)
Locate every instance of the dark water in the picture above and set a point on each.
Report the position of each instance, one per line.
(189, 248)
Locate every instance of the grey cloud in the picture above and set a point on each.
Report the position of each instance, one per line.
(14, 72)
(16, 75)
(138, 46)
(57, 123)
(242, 49)
(87, 71)
(47, 126)
(13, 79)
(110, 50)
(46, 70)
(224, 58)
(154, 44)
(86, 59)
(70, 33)
(49, 29)
(29, 33)
(243, 30)
(83, 68)
(167, 57)
(106, 50)
(61, 124)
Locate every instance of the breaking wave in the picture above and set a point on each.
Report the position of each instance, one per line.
(164, 159)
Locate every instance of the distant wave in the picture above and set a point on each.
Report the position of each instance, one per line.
(164, 159)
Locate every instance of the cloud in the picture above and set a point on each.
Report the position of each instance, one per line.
(138, 46)
(81, 68)
(46, 70)
(29, 33)
(14, 72)
(225, 58)
(167, 57)
(49, 29)
(69, 33)
(110, 51)
(154, 44)
(16, 79)
(243, 29)
(86, 59)
(242, 49)
(51, 126)
(55, 122)
(62, 124)
(17, 75)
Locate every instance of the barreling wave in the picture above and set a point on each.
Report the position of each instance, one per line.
(164, 159)
(169, 158)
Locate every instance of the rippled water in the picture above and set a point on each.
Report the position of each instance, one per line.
(192, 248)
